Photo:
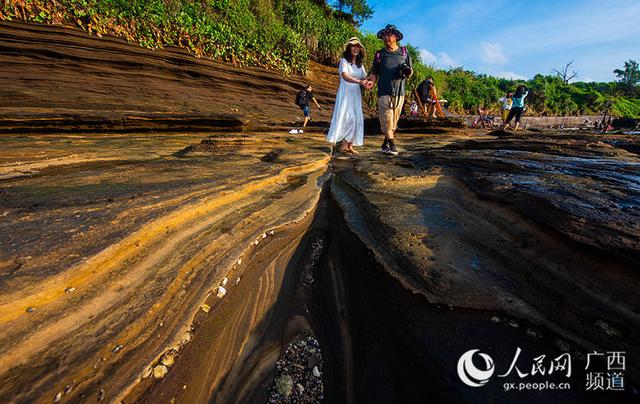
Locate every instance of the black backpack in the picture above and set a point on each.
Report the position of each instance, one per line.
(302, 99)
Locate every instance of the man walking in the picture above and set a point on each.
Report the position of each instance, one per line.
(303, 99)
(391, 67)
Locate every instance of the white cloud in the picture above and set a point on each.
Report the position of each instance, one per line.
(492, 53)
(509, 76)
(442, 60)
(445, 60)
(427, 57)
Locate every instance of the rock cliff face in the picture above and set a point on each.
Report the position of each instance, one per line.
(164, 237)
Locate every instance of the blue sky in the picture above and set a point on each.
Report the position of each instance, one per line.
(517, 39)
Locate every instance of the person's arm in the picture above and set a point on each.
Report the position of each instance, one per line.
(373, 77)
(347, 77)
(316, 102)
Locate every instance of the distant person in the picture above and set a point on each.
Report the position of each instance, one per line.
(391, 67)
(347, 123)
(507, 101)
(413, 109)
(482, 120)
(517, 106)
(428, 96)
(303, 98)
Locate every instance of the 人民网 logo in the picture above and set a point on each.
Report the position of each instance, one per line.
(470, 374)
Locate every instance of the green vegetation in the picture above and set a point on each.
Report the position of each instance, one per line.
(276, 34)
(286, 34)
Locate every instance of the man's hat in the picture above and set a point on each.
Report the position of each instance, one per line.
(390, 29)
(353, 41)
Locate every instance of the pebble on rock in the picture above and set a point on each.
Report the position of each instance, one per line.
(160, 371)
(117, 348)
(224, 281)
(284, 385)
(205, 307)
(57, 397)
(221, 292)
(316, 372)
(168, 359)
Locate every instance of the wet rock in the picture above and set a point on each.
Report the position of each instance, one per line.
(284, 385)
(160, 371)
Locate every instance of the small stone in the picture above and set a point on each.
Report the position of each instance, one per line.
(168, 359)
(58, 397)
(69, 290)
(271, 233)
(205, 307)
(513, 324)
(239, 261)
(284, 385)
(224, 281)
(255, 242)
(237, 281)
(264, 235)
(67, 389)
(315, 371)
(184, 387)
(608, 329)
(221, 292)
(495, 319)
(300, 388)
(117, 348)
(185, 338)
(564, 346)
(532, 333)
(31, 309)
(101, 395)
(147, 372)
(160, 371)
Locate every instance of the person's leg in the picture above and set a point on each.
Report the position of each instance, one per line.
(385, 118)
(395, 116)
(518, 115)
(305, 110)
(512, 113)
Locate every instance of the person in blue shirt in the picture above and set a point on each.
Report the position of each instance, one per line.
(517, 106)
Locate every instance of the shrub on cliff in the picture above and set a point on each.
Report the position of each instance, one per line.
(269, 33)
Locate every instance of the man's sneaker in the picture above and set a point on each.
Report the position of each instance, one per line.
(392, 150)
(384, 148)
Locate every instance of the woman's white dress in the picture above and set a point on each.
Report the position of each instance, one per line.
(347, 122)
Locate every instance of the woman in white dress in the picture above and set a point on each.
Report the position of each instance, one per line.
(347, 123)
